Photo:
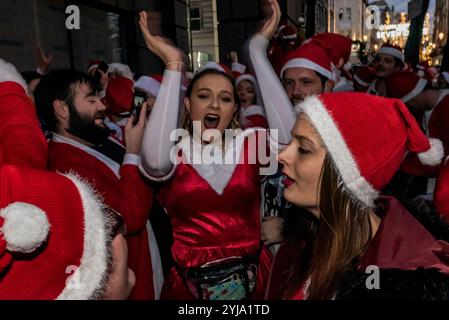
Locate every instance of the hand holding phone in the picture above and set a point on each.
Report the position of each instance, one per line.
(139, 98)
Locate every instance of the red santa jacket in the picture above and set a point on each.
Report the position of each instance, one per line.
(436, 125)
(441, 194)
(123, 189)
(22, 142)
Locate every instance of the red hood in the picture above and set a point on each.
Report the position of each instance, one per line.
(401, 242)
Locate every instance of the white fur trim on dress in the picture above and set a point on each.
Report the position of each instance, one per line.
(393, 52)
(434, 155)
(308, 64)
(422, 83)
(25, 228)
(91, 275)
(156, 262)
(217, 175)
(338, 150)
(8, 72)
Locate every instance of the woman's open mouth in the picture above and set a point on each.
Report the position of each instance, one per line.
(211, 121)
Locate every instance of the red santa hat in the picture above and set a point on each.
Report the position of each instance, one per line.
(364, 76)
(150, 84)
(93, 64)
(312, 56)
(287, 32)
(339, 46)
(367, 138)
(121, 69)
(119, 96)
(445, 75)
(217, 66)
(394, 51)
(54, 237)
(404, 85)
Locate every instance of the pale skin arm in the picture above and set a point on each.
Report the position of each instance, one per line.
(156, 146)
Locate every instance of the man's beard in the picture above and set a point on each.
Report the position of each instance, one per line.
(86, 129)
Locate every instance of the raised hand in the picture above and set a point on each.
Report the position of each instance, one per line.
(271, 24)
(171, 55)
(43, 60)
(234, 56)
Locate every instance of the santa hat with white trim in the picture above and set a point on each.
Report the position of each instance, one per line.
(404, 85)
(364, 76)
(312, 56)
(121, 69)
(394, 51)
(150, 84)
(339, 46)
(217, 66)
(54, 237)
(367, 138)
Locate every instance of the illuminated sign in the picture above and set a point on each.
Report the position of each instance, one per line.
(393, 30)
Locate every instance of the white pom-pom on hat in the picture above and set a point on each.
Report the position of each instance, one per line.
(434, 155)
(25, 227)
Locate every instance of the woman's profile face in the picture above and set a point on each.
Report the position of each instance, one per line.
(302, 161)
(212, 102)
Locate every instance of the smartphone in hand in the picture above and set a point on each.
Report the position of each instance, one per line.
(139, 98)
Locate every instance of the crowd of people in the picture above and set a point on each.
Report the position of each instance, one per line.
(103, 196)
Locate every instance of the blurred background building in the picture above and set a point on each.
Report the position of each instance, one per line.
(204, 29)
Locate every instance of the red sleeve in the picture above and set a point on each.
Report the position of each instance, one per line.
(130, 195)
(22, 141)
(441, 195)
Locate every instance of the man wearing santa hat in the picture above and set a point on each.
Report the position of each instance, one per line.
(68, 102)
(307, 71)
(388, 60)
(55, 235)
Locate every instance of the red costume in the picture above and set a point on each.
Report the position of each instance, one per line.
(214, 211)
(124, 190)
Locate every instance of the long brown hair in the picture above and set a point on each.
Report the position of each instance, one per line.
(338, 241)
